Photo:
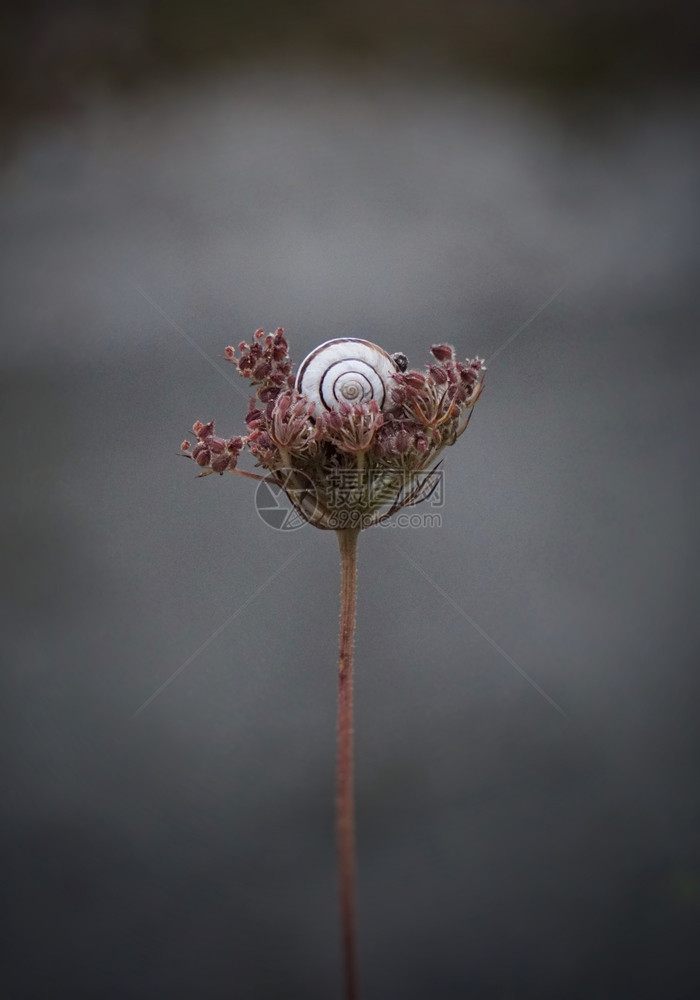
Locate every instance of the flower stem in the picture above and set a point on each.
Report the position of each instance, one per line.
(345, 800)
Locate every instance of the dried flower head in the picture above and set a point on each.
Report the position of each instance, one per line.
(354, 436)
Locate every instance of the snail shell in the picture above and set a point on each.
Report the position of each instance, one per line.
(347, 370)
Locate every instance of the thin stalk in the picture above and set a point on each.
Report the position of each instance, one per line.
(345, 798)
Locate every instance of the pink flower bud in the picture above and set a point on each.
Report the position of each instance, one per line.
(203, 430)
(443, 352)
(439, 374)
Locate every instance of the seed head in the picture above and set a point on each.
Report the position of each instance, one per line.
(379, 428)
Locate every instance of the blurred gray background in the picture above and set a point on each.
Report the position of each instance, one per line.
(177, 175)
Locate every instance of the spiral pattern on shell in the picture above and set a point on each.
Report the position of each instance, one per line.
(347, 370)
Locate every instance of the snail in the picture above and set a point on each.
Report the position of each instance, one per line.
(348, 370)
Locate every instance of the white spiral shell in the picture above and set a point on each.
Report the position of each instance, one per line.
(347, 370)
